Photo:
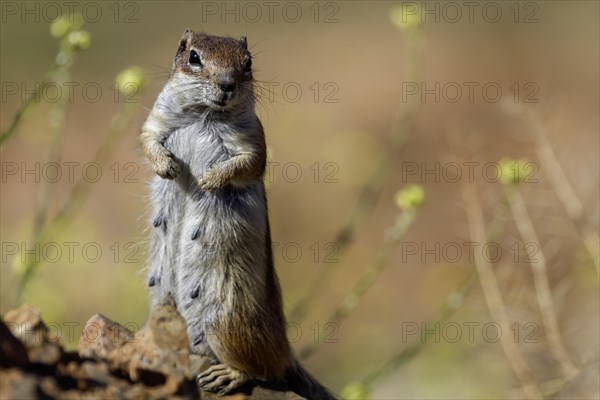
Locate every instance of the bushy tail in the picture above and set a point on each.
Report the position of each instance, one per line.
(301, 382)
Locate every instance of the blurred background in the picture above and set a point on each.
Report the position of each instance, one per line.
(433, 181)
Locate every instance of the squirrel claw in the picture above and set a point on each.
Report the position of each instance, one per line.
(221, 378)
(209, 181)
(166, 167)
(207, 186)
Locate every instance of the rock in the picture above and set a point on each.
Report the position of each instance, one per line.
(159, 353)
(27, 325)
(101, 336)
(16, 384)
(111, 363)
(12, 351)
(256, 393)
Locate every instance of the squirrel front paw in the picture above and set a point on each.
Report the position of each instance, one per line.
(211, 180)
(166, 166)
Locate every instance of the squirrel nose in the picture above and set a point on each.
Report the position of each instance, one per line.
(226, 84)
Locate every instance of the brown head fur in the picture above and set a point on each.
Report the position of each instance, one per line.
(224, 63)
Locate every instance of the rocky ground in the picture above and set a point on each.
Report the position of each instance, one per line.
(111, 362)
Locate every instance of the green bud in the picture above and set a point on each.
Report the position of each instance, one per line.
(78, 40)
(355, 391)
(514, 171)
(131, 80)
(65, 25)
(411, 197)
(404, 18)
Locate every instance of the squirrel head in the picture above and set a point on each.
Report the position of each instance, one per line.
(213, 71)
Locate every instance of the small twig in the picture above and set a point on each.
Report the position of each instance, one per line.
(560, 183)
(26, 105)
(542, 285)
(487, 278)
(402, 126)
(492, 294)
(79, 192)
(57, 125)
(453, 302)
(403, 223)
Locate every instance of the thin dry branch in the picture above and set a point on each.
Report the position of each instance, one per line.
(367, 199)
(78, 194)
(351, 300)
(454, 301)
(492, 294)
(28, 104)
(542, 285)
(559, 181)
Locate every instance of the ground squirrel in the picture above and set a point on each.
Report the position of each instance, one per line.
(211, 246)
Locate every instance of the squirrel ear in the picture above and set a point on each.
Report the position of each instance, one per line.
(244, 42)
(184, 41)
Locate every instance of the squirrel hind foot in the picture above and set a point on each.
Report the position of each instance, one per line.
(222, 379)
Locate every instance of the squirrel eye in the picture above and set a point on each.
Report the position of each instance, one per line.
(194, 58)
(248, 65)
